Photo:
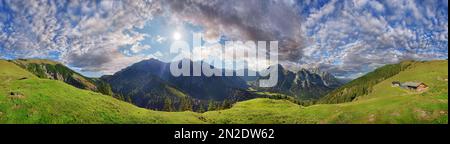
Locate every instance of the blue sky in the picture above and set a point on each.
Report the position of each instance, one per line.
(347, 38)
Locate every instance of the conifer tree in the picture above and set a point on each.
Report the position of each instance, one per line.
(211, 106)
(168, 106)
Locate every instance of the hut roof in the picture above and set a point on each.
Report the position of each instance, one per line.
(412, 84)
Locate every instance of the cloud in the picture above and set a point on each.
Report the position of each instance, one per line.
(245, 20)
(160, 39)
(84, 34)
(377, 6)
(317, 15)
(136, 48)
(347, 38)
(360, 36)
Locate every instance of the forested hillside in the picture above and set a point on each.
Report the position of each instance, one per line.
(364, 85)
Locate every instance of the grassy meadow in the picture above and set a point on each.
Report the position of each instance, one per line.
(25, 98)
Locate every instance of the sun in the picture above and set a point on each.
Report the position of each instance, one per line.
(176, 36)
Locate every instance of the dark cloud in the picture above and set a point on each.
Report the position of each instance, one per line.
(245, 20)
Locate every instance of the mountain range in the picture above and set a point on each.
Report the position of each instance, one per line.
(149, 84)
(26, 97)
(303, 84)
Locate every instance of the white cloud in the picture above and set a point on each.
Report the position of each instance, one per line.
(319, 14)
(85, 33)
(160, 39)
(360, 3)
(136, 48)
(353, 39)
(345, 36)
(377, 6)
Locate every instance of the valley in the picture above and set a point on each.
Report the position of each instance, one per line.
(149, 84)
(29, 98)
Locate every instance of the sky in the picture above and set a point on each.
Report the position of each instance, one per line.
(346, 38)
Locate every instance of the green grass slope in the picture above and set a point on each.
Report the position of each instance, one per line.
(383, 104)
(34, 100)
(53, 70)
(364, 85)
